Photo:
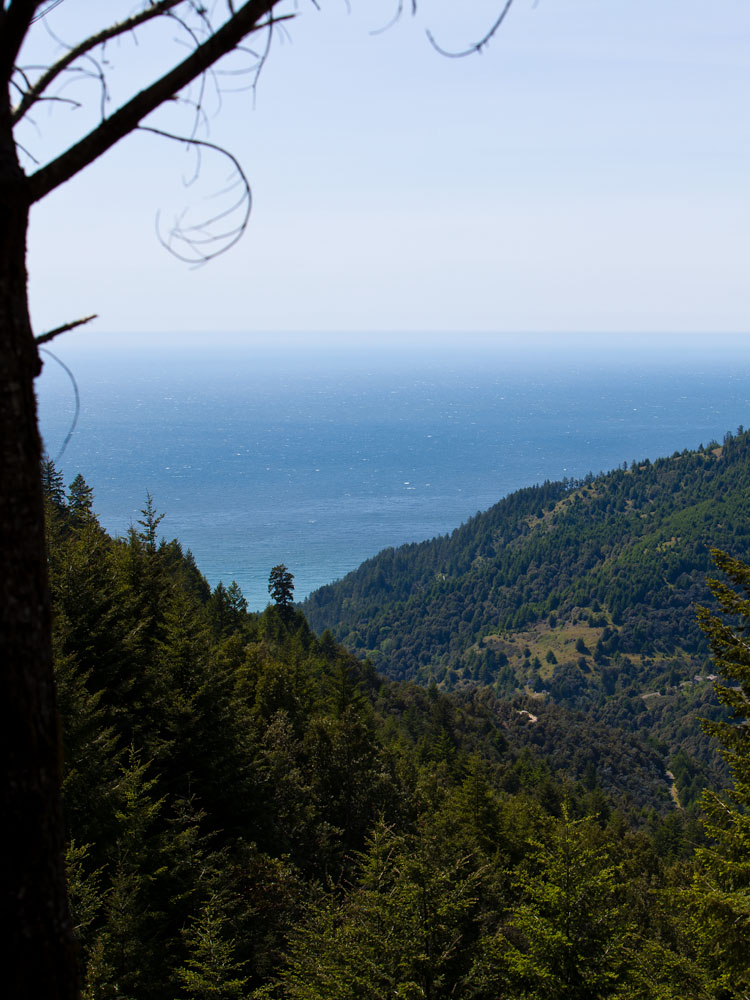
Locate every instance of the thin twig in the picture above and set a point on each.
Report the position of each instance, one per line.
(34, 93)
(43, 13)
(128, 117)
(72, 378)
(182, 234)
(396, 17)
(477, 46)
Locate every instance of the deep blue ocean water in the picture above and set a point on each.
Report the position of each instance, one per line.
(319, 458)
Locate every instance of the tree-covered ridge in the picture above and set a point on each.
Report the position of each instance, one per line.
(631, 547)
(252, 811)
(580, 591)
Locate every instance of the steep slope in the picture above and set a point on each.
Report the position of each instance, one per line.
(580, 590)
(225, 773)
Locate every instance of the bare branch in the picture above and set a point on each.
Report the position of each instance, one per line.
(477, 46)
(57, 99)
(197, 104)
(44, 338)
(200, 234)
(33, 94)
(396, 17)
(185, 26)
(43, 13)
(26, 152)
(26, 82)
(262, 61)
(71, 376)
(128, 117)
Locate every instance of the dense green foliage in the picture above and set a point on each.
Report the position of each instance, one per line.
(626, 553)
(722, 884)
(579, 592)
(252, 811)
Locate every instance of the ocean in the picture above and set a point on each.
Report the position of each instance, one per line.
(320, 455)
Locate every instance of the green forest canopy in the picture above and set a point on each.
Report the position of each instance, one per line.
(253, 811)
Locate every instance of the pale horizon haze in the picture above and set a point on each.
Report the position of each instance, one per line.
(588, 172)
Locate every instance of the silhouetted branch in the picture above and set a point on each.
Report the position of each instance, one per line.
(43, 13)
(477, 46)
(129, 116)
(44, 338)
(25, 151)
(396, 17)
(200, 234)
(73, 382)
(26, 81)
(35, 91)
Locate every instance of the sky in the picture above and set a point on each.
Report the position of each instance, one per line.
(588, 173)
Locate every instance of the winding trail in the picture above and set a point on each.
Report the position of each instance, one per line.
(673, 790)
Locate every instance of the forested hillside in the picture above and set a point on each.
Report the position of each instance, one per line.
(578, 592)
(253, 811)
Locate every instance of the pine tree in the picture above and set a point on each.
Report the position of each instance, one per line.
(52, 483)
(568, 933)
(237, 601)
(80, 499)
(477, 807)
(85, 891)
(281, 586)
(211, 970)
(91, 622)
(91, 760)
(722, 886)
(123, 961)
(150, 524)
(406, 929)
(145, 578)
(226, 609)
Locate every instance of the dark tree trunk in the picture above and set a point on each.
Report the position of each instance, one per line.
(39, 955)
(39, 959)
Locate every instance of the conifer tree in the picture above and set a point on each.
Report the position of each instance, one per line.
(406, 929)
(149, 524)
(477, 807)
(145, 577)
(722, 886)
(211, 971)
(122, 961)
(80, 499)
(52, 483)
(567, 936)
(281, 586)
(91, 759)
(237, 601)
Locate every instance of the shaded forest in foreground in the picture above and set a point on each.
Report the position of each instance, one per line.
(252, 811)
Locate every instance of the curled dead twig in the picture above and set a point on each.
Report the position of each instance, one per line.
(396, 17)
(477, 46)
(77, 411)
(203, 234)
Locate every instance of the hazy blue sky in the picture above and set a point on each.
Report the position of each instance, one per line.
(590, 171)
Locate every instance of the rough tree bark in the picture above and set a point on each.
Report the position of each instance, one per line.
(39, 958)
